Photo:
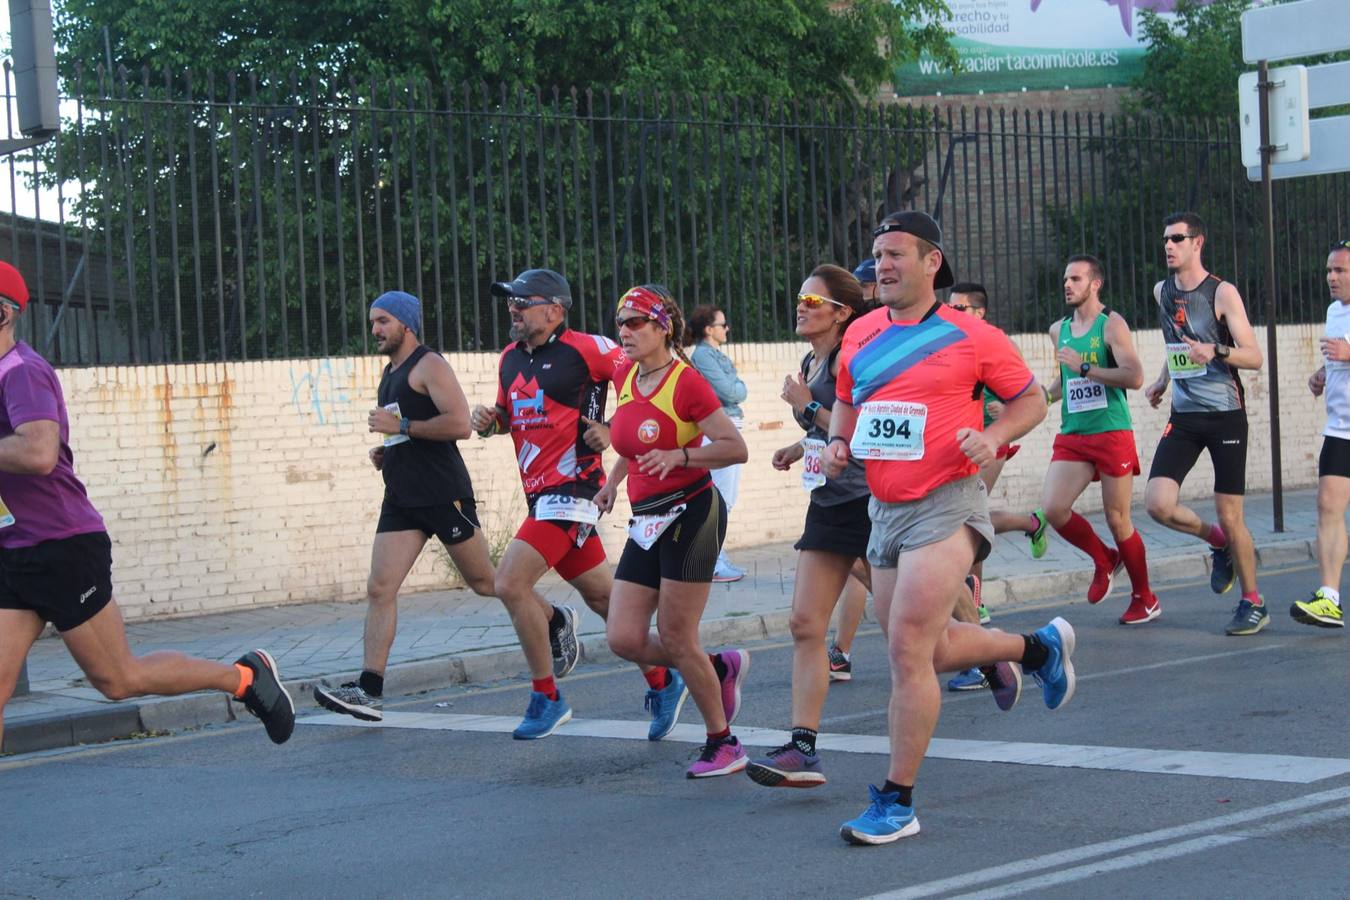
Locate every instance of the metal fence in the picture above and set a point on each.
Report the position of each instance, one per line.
(182, 217)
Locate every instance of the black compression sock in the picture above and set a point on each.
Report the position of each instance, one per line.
(372, 683)
(906, 792)
(805, 739)
(1034, 654)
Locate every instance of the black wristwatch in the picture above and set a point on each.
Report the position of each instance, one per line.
(1083, 369)
(1221, 351)
(809, 414)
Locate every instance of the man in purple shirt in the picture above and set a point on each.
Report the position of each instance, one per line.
(56, 558)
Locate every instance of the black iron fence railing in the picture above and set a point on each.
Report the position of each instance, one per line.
(182, 217)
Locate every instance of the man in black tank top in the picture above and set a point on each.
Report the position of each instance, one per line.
(1208, 338)
(427, 492)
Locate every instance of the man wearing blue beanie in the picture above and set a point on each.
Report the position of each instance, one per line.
(427, 492)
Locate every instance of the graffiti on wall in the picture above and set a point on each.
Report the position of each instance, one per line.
(319, 392)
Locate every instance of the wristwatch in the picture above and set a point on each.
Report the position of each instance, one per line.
(809, 414)
(403, 425)
(1083, 369)
(1221, 351)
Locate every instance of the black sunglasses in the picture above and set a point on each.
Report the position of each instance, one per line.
(1341, 245)
(1177, 238)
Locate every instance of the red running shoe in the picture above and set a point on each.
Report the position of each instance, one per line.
(1142, 609)
(1103, 577)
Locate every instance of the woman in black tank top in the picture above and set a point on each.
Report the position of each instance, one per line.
(836, 531)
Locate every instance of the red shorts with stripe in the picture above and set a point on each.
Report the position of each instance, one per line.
(1111, 453)
(1008, 451)
(556, 542)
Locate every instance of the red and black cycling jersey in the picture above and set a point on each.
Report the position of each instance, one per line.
(544, 394)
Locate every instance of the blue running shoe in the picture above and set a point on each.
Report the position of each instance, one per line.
(1056, 677)
(1220, 570)
(787, 766)
(665, 706)
(883, 821)
(542, 717)
(969, 680)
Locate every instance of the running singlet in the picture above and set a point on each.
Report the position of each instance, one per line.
(914, 384)
(37, 508)
(418, 472)
(1337, 391)
(545, 393)
(1214, 387)
(667, 419)
(1087, 406)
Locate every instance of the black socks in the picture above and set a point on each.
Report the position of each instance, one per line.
(906, 792)
(372, 684)
(804, 739)
(1034, 655)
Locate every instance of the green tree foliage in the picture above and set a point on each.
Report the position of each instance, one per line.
(1193, 61)
(720, 145)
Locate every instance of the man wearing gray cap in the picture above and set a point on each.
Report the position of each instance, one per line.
(427, 492)
(907, 404)
(551, 390)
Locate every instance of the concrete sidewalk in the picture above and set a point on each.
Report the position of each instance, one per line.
(451, 637)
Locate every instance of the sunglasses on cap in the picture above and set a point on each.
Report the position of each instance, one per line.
(964, 307)
(1177, 238)
(633, 323)
(816, 301)
(1341, 245)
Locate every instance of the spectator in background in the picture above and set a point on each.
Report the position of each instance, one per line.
(707, 333)
(866, 273)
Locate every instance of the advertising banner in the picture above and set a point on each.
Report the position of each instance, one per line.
(1012, 45)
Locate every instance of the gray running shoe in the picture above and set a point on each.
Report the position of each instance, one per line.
(266, 697)
(350, 700)
(563, 642)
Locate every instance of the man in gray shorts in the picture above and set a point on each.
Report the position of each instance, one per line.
(908, 406)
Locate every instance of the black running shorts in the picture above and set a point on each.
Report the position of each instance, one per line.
(452, 522)
(65, 581)
(686, 551)
(1335, 458)
(1223, 434)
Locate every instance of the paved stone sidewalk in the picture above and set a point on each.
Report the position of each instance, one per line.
(454, 636)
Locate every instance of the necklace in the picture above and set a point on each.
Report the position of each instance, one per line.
(667, 364)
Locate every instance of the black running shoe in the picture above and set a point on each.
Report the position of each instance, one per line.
(266, 697)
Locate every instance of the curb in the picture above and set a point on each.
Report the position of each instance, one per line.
(115, 721)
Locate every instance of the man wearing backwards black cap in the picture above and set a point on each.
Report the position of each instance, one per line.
(908, 398)
(551, 391)
(427, 491)
(56, 557)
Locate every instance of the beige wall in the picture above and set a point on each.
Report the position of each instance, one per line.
(247, 484)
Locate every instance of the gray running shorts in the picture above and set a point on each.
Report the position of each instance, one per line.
(897, 527)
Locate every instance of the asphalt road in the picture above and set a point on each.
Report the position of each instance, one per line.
(1254, 801)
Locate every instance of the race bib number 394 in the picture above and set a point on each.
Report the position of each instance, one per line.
(889, 429)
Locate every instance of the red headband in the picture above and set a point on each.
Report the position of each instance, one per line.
(648, 303)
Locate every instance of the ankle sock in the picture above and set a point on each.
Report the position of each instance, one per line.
(1034, 654)
(657, 678)
(722, 735)
(1253, 597)
(1078, 531)
(372, 683)
(906, 792)
(546, 686)
(1331, 594)
(1216, 538)
(805, 739)
(719, 666)
(245, 680)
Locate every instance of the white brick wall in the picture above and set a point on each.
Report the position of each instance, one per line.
(246, 484)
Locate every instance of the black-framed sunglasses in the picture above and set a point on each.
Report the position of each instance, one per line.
(523, 303)
(1177, 238)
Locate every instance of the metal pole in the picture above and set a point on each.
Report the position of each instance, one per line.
(1268, 201)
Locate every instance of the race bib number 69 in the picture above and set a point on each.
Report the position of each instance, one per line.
(889, 429)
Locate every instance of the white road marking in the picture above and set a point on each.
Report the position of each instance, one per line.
(1125, 853)
(1245, 766)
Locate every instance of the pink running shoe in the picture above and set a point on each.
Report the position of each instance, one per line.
(1103, 578)
(721, 757)
(737, 663)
